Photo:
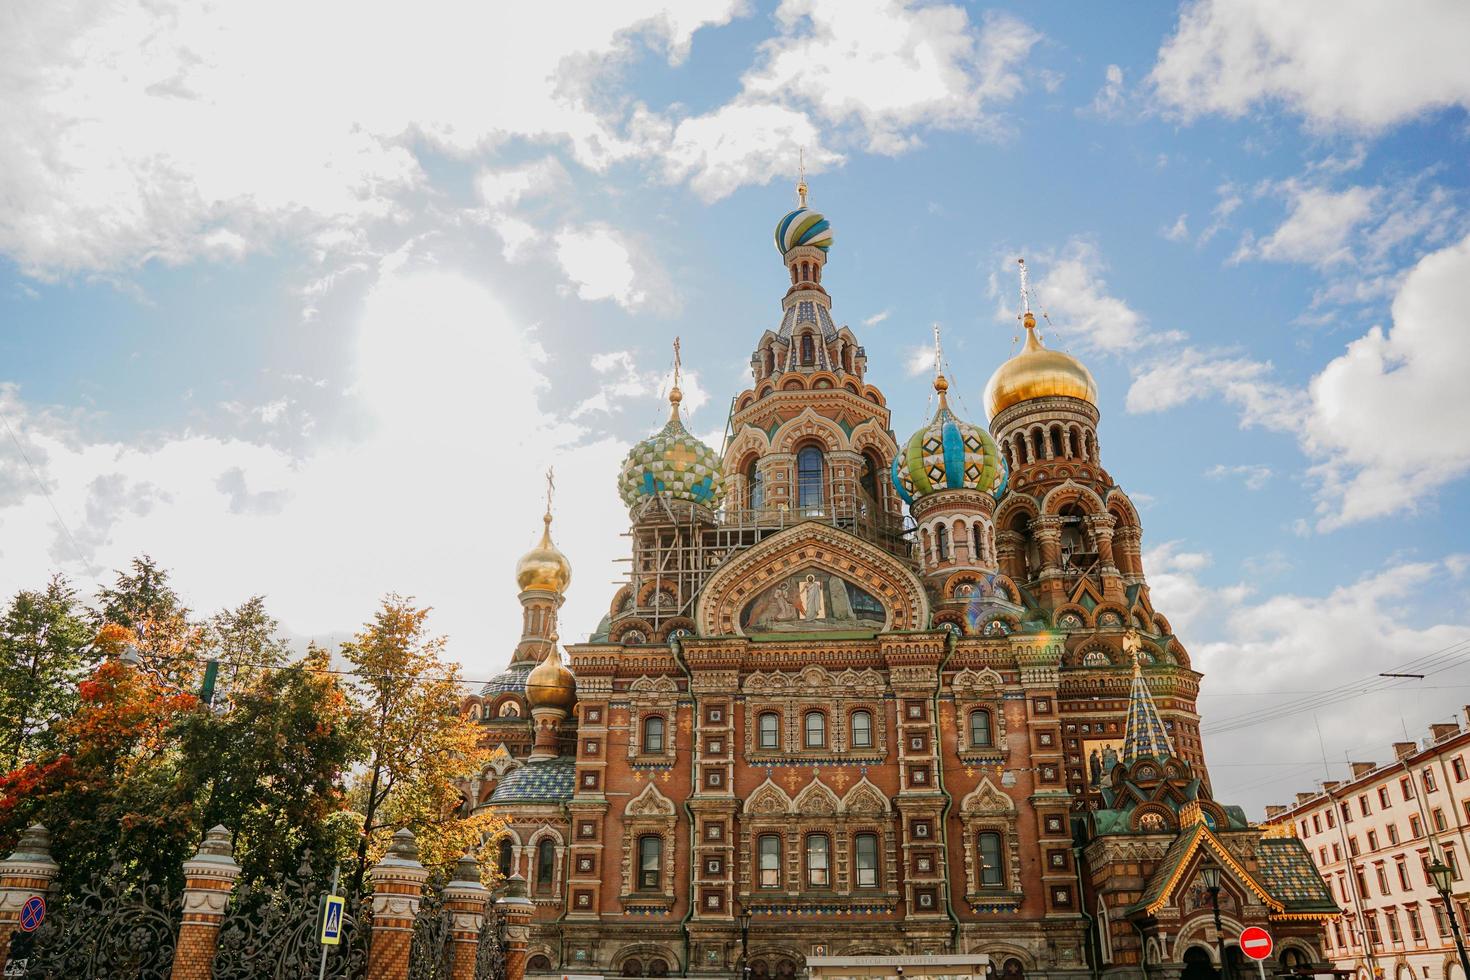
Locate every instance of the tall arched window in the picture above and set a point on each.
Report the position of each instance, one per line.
(808, 350)
(650, 862)
(992, 872)
(769, 726)
(755, 487)
(941, 542)
(862, 729)
(504, 858)
(809, 478)
(653, 733)
(818, 860)
(980, 729)
(977, 553)
(865, 859)
(545, 863)
(816, 730)
(769, 848)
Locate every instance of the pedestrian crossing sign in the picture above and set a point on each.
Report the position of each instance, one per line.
(332, 920)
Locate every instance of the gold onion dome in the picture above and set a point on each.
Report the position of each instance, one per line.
(551, 684)
(1038, 372)
(544, 567)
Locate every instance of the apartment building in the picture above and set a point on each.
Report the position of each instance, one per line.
(1373, 838)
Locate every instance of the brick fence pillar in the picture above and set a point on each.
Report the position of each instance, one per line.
(515, 910)
(28, 871)
(465, 900)
(209, 877)
(398, 887)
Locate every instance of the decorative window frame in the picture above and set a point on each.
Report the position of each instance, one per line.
(551, 894)
(976, 690)
(653, 696)
(648, 813)
(988, 809)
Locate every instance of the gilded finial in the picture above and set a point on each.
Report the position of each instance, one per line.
(1028, 319)
(675, 395)
(801, 177)
(550, 490)
(941, 384)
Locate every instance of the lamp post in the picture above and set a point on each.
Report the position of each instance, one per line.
(1210, 875)
(1444, 877)
(745, 918)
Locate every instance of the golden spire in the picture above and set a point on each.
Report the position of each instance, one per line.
(1036, 371)
(801, 177)
(675, 395)
(1028, 319)
(544, 567)
(941, 384)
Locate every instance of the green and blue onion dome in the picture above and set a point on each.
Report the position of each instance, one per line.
(949, 454)
(671, 463)
(803, 227)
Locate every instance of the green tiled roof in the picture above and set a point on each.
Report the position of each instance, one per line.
(1286, 870)
(551, 781)
(1164, 872)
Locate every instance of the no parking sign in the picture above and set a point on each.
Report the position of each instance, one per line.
(32, 914)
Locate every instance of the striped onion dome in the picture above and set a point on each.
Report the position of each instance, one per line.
(803, 227)
(949, 454)
(671, 462)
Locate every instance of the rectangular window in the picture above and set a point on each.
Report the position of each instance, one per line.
(770, 861)
(1363, 805)
(1457, 766)
(1347, 813)
(1316, 824)
(1353, 846)
(1403, 869)
(865, 857)
(1393, 833)
(1439, 821)
(1441, 920)
(1362, 880)
(816, 730)
(1391, 919)
(817, 861)
(1416, 924)
(1406, 788)
(1428, 777)
(769, 725)
(1336, 852)
(862, 729)
(1331, 820)
(1453, 862)
(1384, 800)
(1373, 935)
(1467, 809)
(1321, 857)
(1372, 840)
(1382, 874)
(991, 871)
(650, 862)
(1416, 828)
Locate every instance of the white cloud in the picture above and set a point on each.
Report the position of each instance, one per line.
(598, 261)
(1109, 100)
(1357, 64)
(1178, 231)
(1253, 475)
(1186, 374)
(1317, 230)
(174, 129)
(742, 143)
(436, 498)
(1074, 294)
(509, 185)
(877, 318)
(1388, 415)
(624, 381)
(919, 361)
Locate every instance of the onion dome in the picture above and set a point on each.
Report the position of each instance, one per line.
(551, 684)
(671, 462)
(1038, 372)
(948, 454)
(544, 567)
(803, 227)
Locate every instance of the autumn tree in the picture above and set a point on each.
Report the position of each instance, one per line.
(245, 640)
(44, 654)
(419, 743)
(168, 644)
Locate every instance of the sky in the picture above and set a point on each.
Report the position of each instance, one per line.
(302, 300)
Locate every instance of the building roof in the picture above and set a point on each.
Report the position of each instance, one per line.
(1166, 876)
(1287, 871)
(551, 781)
(512, 679)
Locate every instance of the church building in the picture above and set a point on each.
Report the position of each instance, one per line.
(868, 697)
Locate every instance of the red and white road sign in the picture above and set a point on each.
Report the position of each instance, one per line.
(1255, 942)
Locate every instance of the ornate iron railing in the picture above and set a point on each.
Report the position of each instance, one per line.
(490, 955)
(429, 956)
(119, 926)
(271, 931)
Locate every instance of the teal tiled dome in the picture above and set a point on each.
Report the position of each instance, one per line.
(671, 462)
(949, 454)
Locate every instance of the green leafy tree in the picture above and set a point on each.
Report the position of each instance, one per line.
(246, 641)
(142, 602)
(419, 743)
(44, 640)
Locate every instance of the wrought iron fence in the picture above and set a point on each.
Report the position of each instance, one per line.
(119, 926)
(429, 956)
(490, 955)
(271, 931)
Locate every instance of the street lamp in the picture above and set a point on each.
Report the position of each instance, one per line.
(1210, 875)
(745, 918)
(1444, 877)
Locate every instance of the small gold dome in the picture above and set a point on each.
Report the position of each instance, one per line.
(544, 567)
(1038, 372)
(551, 684)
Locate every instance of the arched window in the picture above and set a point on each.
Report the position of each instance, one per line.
(650, 862)
(977, 552)
(818, 860)
(632, 968)
(815, 725)
(545, 863)
(769, 726)
(980, 729)
(769, 848)
(865, 859)
(809, 478)
(540, 963)
(992, 871)
(755, 486)
(808, 350)
(658, 968)
(941, 542)
(504, 858)
(861, 724)
(653, 733)
(769, 362)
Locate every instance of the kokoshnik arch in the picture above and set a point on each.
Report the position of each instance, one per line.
(888, 697)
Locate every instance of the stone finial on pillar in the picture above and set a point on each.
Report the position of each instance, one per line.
(398, 887)
(465, 899)
(515, 911)
(28, 872)
(209, 877)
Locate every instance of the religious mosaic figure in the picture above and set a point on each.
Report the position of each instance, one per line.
(813, 602)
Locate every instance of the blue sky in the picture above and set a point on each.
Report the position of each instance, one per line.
(308, 312)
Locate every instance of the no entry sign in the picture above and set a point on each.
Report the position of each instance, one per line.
(1255, 942)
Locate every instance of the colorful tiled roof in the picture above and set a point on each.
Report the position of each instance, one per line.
(948, 454)
(671, 462)
(513, 679)
(1287, 871)
(551, 781)
(1145, 734)
(1165, 879)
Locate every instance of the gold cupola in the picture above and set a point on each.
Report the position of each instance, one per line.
(1037, 371)
(544, 568)
(551, 684)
